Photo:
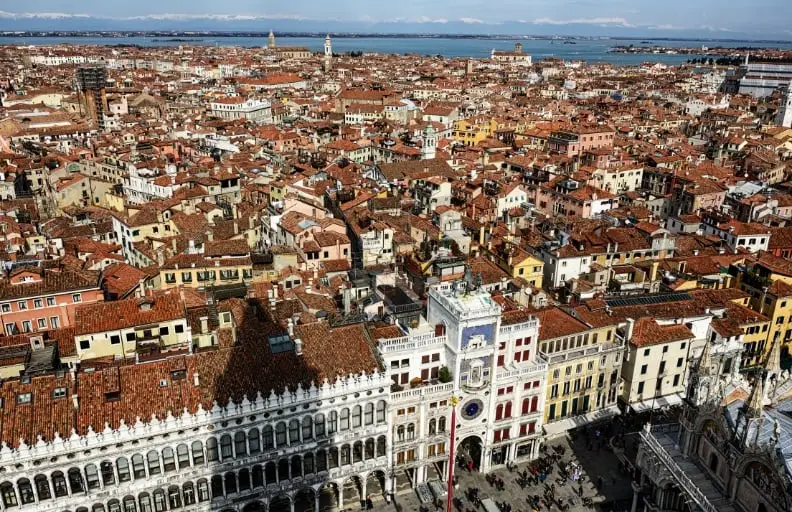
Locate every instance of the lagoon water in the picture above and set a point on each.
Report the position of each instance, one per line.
(589, 50)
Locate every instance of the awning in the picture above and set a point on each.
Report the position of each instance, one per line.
(557, 428)
(661, 402)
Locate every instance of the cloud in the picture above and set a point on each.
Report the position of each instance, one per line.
(582, 21)
(471, 20)
(43, 15)
(426, 19)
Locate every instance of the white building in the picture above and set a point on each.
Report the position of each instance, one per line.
(499, 416)
(236, 107)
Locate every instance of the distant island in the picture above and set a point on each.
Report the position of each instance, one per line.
(341, 35)
(177, 40)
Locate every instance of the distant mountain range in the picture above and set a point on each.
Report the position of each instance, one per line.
(596, 27)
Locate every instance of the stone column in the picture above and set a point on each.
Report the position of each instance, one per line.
(636, 492)
(341, 496)
(316, 500)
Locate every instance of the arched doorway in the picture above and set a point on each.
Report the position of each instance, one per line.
(256, 506)
(469, 450)
(352, 488)
(304, 500)
(281, 503)
(328, 497)
(375, 485)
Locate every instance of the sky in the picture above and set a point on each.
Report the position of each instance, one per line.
(714, 18)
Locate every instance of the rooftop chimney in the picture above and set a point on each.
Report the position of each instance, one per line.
(204, 324)
(196, 379)
(628, 333)
(290, 326)
(298, 349)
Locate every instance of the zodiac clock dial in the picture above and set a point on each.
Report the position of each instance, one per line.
(472, 409)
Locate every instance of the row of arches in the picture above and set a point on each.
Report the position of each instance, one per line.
(77, 481)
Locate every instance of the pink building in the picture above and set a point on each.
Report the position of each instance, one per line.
(576, 141)
(33, 300)
(571, 198)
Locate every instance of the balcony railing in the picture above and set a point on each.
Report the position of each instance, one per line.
(412, 394)
(690, 488)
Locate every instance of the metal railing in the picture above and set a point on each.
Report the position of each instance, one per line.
(690, 488)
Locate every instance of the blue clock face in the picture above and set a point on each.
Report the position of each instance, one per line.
(472, 409)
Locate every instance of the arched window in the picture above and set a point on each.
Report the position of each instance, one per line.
(197, 453)
(168, 459)
(212, 453)
(202, 486)
(357, 451)
(226, 452)
(432, 426)
(138, 466)
(113, 506)
(183, 456)
(266, 437)
(174, 497)
(321, 461)
(144, 500)
(307, 428)
(108, 472)
(368, 417)
(319, 425)
(534, 404)
(59, 485)
(332, 422)
(381, 446)
(381, 412)
(294, 432)
(270, 473)
(153, 460)
(308, 464)
(159, 500)
(124, 473)
(258, 476)
(42, 487)
(217, 486)
(344, 419)
(441, 424)
(283, 470)
(280, 434)
(357, 413)
(240, 444)
(98, 507)
(8, 494)
(188, 491)
(345, 455)
(499, 411)
(25, 491)
(254, 441)
(230, 483)
(129, 504)
(400, 433)
(369, 448)
(411, 431)
(332, 459)
(76, 481)
(244, 479)
(296, 466)
(91, 476)
(508, 410)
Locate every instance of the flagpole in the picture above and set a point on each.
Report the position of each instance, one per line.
(451, 461)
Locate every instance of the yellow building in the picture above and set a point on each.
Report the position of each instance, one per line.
(472, 131)
(769, 281)
(519, 263)
(584, 367)
(132, 327)
(753, 327)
